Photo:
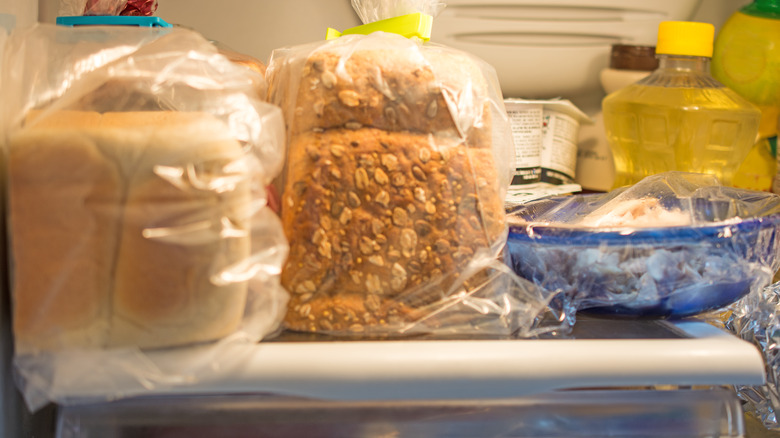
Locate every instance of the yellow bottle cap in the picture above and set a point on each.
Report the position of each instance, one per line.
(413, 25)
(687, 38)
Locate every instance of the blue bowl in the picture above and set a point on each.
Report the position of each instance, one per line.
(664, 272)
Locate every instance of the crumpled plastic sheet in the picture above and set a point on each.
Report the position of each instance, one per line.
(140, 8)
(91, 7)
(107, 7)
(756, 319)
(675, 244)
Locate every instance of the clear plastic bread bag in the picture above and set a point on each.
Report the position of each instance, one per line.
(399, 157)
(675, 244)
(143, 252)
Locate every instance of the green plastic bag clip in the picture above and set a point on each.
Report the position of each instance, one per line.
(411, 25)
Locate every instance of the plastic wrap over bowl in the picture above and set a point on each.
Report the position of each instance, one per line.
(710, 247)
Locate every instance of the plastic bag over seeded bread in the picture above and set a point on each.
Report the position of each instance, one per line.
(370, 11)
(399, 156)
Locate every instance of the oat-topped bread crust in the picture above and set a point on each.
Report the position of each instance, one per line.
(374, 215)
(390, 89)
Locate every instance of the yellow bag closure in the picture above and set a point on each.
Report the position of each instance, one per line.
(417, 25)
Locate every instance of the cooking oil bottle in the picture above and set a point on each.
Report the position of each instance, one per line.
(679, 117)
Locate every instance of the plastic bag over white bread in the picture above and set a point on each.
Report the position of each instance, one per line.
(393, 190)
(138, 218)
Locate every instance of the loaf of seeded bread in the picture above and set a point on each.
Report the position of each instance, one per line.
(374, 216)
(118, 225)
(391, 187)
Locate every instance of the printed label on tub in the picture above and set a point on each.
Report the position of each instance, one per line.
(526, 123)
(551, 139)
(559, 147)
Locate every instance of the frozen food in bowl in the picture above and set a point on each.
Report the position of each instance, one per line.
(673, 245)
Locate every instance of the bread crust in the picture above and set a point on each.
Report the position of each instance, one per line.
(394, 89)
(52, 231)
(374, 218)
(118, 228)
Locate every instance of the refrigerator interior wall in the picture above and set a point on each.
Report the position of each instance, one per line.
(16, 13)
(253, 27)
(256, 27)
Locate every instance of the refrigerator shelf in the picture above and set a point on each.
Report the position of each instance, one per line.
(605, 353)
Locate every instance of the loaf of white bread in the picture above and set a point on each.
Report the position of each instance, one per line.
(119, 224)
